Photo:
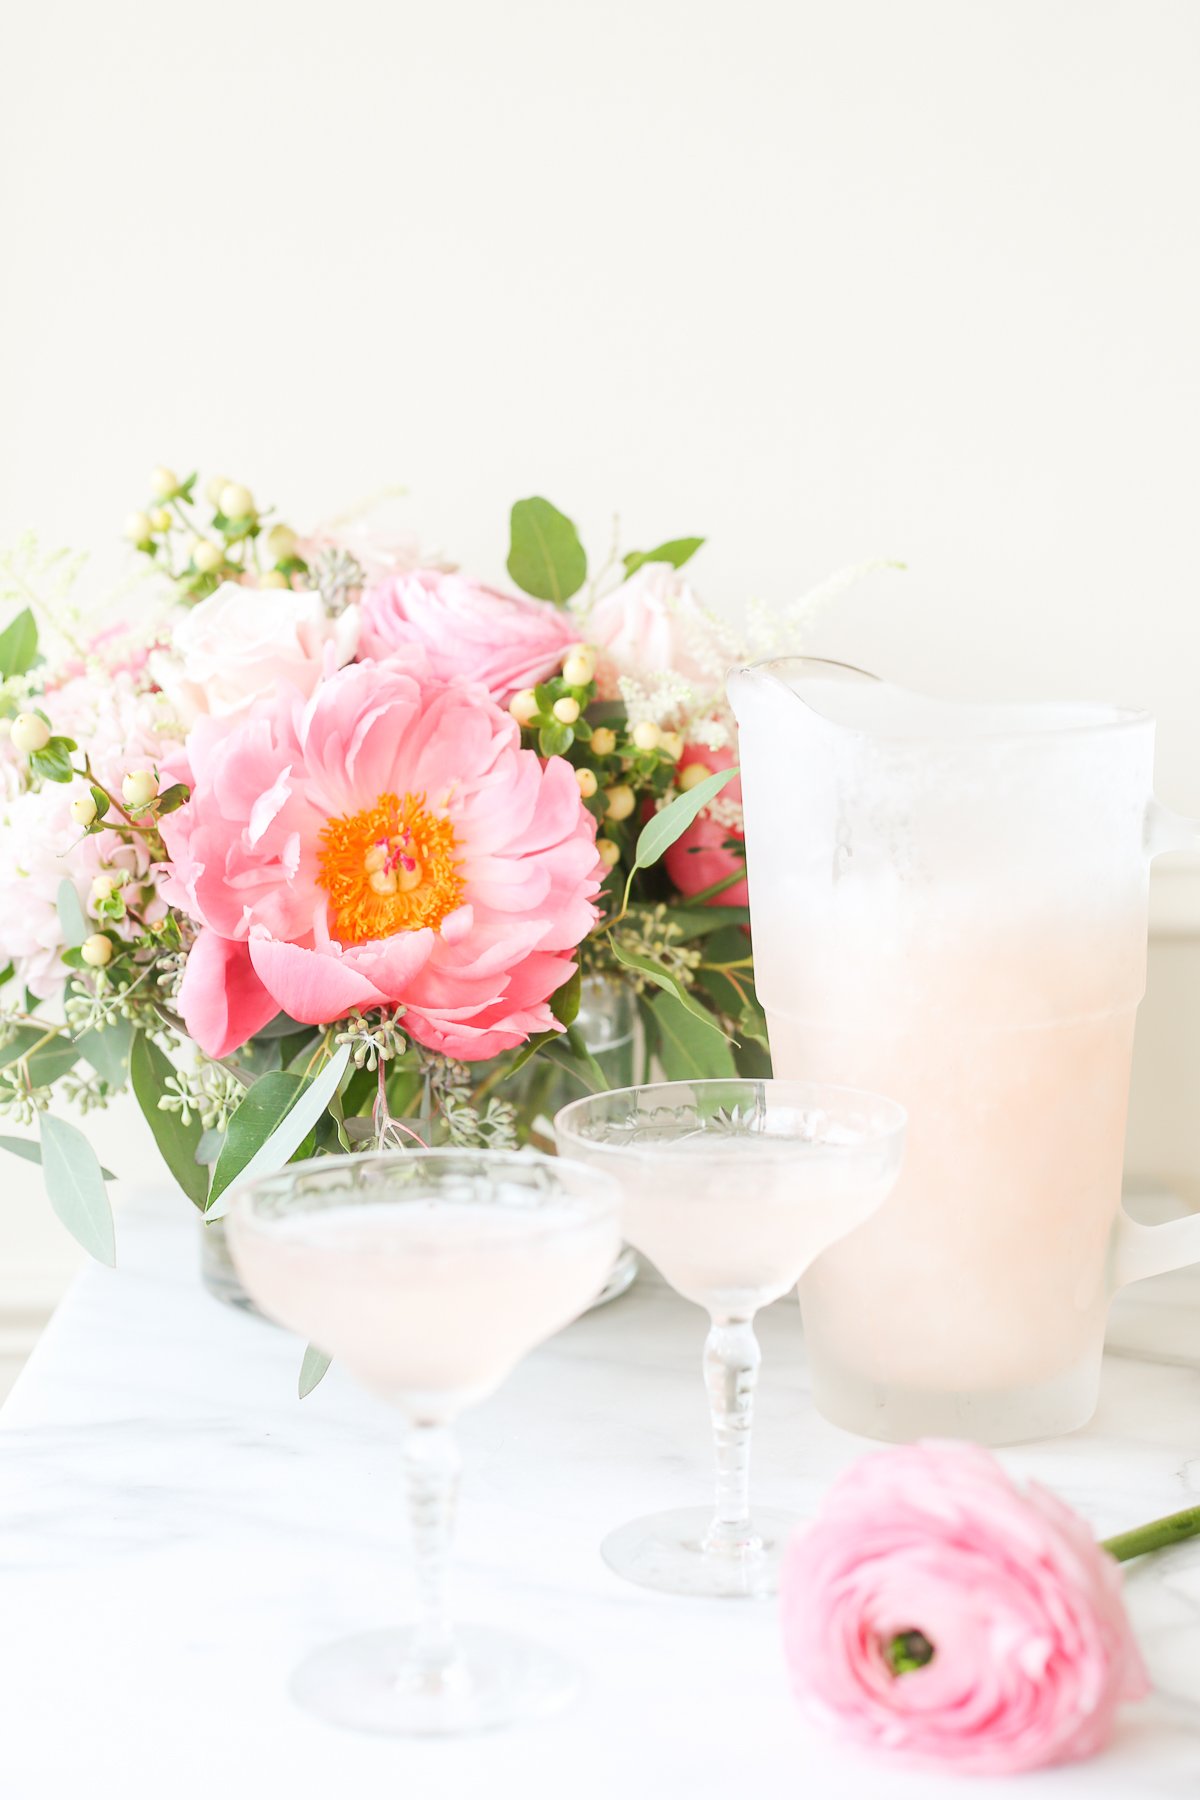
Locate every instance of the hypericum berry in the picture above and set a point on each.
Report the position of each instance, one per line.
(96, 951)
(692, 776)
(604, 741)
(214, 487)
(83, 811)
(273, 578)
(139, 788)
(103, 886)
(206, 556)
(280, 542)
(608, 852)
(30, 733)
(164, 482)
(579, 667)
(671, 744)
(566, 710)
(137, 528)
(523, 706)
(587, 782)
(237, 502)
(646, 735)
(620, 802)
(160, 518)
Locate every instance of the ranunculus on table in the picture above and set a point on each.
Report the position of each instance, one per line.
(698, 858)
(241, 642)
(467, 632)
(936, 1611)
(387, 843)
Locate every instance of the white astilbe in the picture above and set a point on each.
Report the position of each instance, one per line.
(661, 700)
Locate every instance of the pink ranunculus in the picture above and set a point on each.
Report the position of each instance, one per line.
(242, 642)
(699, 858)
(386, 843)
(653, 623)
(938, 1612)
(467, 632)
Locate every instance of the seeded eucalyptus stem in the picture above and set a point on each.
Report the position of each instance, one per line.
(1154, 1536)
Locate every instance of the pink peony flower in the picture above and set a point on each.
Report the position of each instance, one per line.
(241, 642)
(468, 632)
(937, 1611)
(387, 843)
(653, 623)
(699, 858)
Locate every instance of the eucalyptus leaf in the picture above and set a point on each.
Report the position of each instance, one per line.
(29, 1150)
(18, 645)
(178, 1144)
(687, 1049)
(274, 1129)
(545, 555)
(663, 978)
(75, 1186)
(71, 917)
(108, 1051)
(48, 1062)
(675, 551)
(313, 1368)
(661, 831)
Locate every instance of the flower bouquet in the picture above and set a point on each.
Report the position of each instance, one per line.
(322, 845)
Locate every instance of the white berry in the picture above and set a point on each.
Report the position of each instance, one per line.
(29, 733)
(139, 788)
(237, 502)
(96, 951)
(164, 482)
(83, 811)
(646, 735)
(138, 529)
(523, 706)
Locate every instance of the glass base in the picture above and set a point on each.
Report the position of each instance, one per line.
(900, 1415)
(670, 1551)
(365, 1684)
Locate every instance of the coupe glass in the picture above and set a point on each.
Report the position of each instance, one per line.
(731, 1188)
(429, 1275)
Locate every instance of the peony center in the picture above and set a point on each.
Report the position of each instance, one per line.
(391, 868)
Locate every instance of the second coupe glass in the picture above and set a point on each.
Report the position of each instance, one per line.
(731, 1188)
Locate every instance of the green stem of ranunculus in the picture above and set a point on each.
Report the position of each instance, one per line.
(1154, 1536)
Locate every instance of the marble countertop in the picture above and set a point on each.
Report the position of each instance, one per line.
(177, 1530)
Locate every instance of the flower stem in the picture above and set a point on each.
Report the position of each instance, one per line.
(1154, 1536)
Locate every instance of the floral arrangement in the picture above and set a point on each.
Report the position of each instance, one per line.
(319, 843)
(938, 1612)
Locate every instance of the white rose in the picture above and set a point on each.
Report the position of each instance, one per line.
(243, 642)
(653, 624)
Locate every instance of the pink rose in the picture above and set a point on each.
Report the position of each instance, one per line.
(936, 1611)
(241, 643)
(653, 623)
(468, 632)
(388, 843)
(699, 858)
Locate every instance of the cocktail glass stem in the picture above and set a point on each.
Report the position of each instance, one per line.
(731, 1360)
(431, 1470)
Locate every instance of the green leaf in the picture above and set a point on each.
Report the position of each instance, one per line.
(100, 800)
(545, 555)
(177, 1143)
(675, 551)
(701, 921)
(564, 1001)
(108, 1051)
(71, 917)
(555, 739)
(663, 978)
(312, 1370)
(54, 762)
(271, 1124)
(171, 799)
(18, 645)
(568, 1051)
(46, 1064)
(689, 1050)
(75, 1185)
(661, 831)
(29, 1150)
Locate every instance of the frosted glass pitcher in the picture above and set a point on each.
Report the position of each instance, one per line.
(949, 906)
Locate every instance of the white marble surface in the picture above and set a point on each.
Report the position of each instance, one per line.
(177, 1530)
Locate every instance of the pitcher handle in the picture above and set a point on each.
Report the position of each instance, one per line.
(1167, 830)
(1142, 1250)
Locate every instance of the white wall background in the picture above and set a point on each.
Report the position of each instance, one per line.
(822, 280)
